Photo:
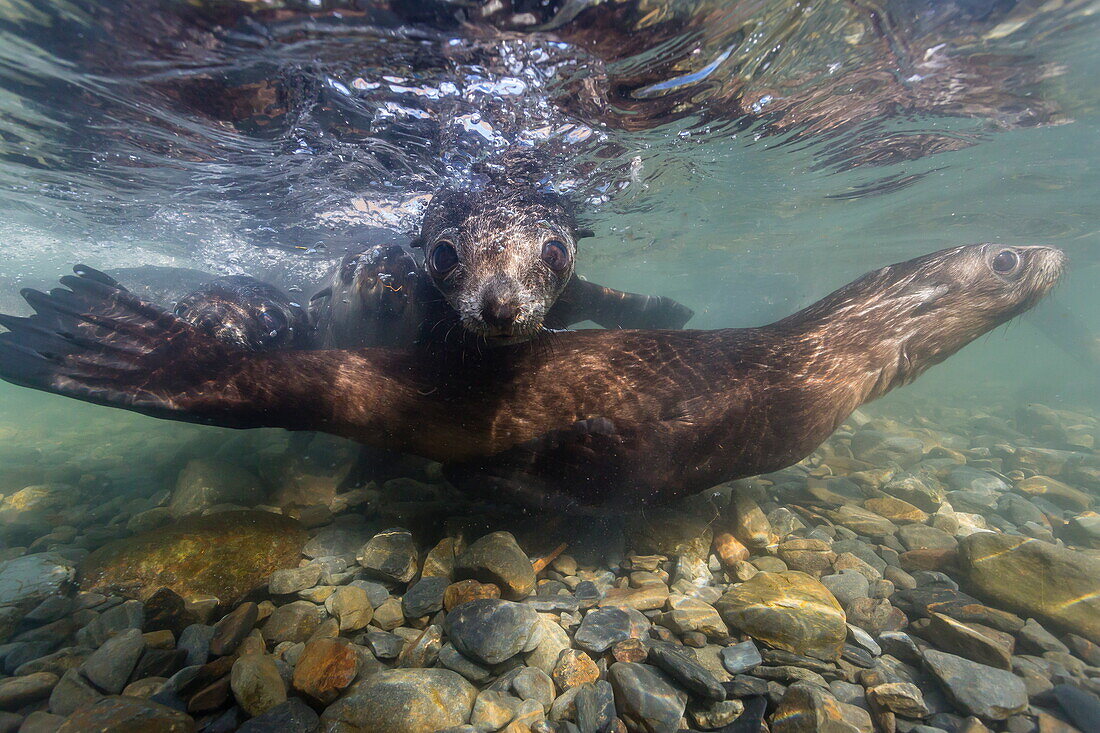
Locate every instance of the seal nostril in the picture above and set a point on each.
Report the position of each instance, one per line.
(498, 313)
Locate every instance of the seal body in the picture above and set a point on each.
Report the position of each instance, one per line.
(601, 417)
(247, 313)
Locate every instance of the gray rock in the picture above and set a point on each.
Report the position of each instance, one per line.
(493, 710)
(645, 698)
(31, 579)
(491, 630)
(602, 628)
(424, 597)
(383, 644)
(847, 585)
(531, 683)
(595, 704)
(742, 657)
(338, 540)
(450, 658)
(919, 536)
(1033, 638)
(967, 478)
(691, 676)
(291, 580)
(291, 716)
(881, 448)
(497, 558)
(71, 693)
(195, 640)
(293, 622)
(15, 692)
(403, 701)
(110, 666)
(376, 592)
(977, 689)
(391, 555)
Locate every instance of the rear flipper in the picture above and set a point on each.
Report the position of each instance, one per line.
(97, 342)
(566, 471)
(586, 301)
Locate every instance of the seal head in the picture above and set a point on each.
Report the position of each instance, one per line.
(500, 257)
(247, 313)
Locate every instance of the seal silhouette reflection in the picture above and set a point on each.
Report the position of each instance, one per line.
(591, 418)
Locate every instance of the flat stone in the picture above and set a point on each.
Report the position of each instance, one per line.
(293, 622)
(729, 550)
(232, 628)
(692, 677)
(978, 689)
(126, 714)
(29, 580)
(896, 510)
(15, 692)
(900, 698)
(340, 540)
(975, 642)
(1033, 638)
(325, 668)
(351, 606)
(256, 683)
(880, 448)
(847, 586)
(750, 525)
(595, 706)
(923, 537)
(1055, 491)
(811, 556)
(291, 580)
(497, 558)
(1081, 707)
(440, 560)
(1058, 586)
(291, 716)
(742, 657)
(453, 660)
(72, 692)
(390, 555)
(534, 684)
(491, 630)
(937, 598)
(645, 698)
(552, 640)
(649, 597)
(601, 628)
(195, 640)
(424, 597)
(404, 701)
(251, 545)
(110, 666)
(789, 610)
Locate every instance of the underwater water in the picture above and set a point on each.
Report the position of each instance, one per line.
(934, 562)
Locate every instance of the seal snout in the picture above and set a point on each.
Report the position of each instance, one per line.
(500, 307)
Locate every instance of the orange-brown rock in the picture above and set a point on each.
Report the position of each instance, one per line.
(468, 590)
(897, 511)
(927, 558)
(326, 667)
(630, 650)
(574, 668)
(729, 550)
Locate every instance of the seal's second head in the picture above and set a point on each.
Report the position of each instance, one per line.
(500, 257)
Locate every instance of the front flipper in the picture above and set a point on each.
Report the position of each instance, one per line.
(566, 470)
(586, 301)
(97, 342)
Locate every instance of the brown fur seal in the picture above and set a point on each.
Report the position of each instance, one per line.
(247, 313)
(497, 265)
(602, 416)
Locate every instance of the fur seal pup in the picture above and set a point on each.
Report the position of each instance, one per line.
(247, 313)
(498, 263)
(602, 417)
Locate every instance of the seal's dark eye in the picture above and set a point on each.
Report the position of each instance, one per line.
(1005, 262)
(273, 321)
(444, 257)
(555, 255)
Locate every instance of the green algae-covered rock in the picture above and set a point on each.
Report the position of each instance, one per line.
(788, 610)
(226, 555)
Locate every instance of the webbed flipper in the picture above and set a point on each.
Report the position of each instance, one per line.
(586, 301)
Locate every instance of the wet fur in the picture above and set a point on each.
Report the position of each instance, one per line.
(599, 417)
